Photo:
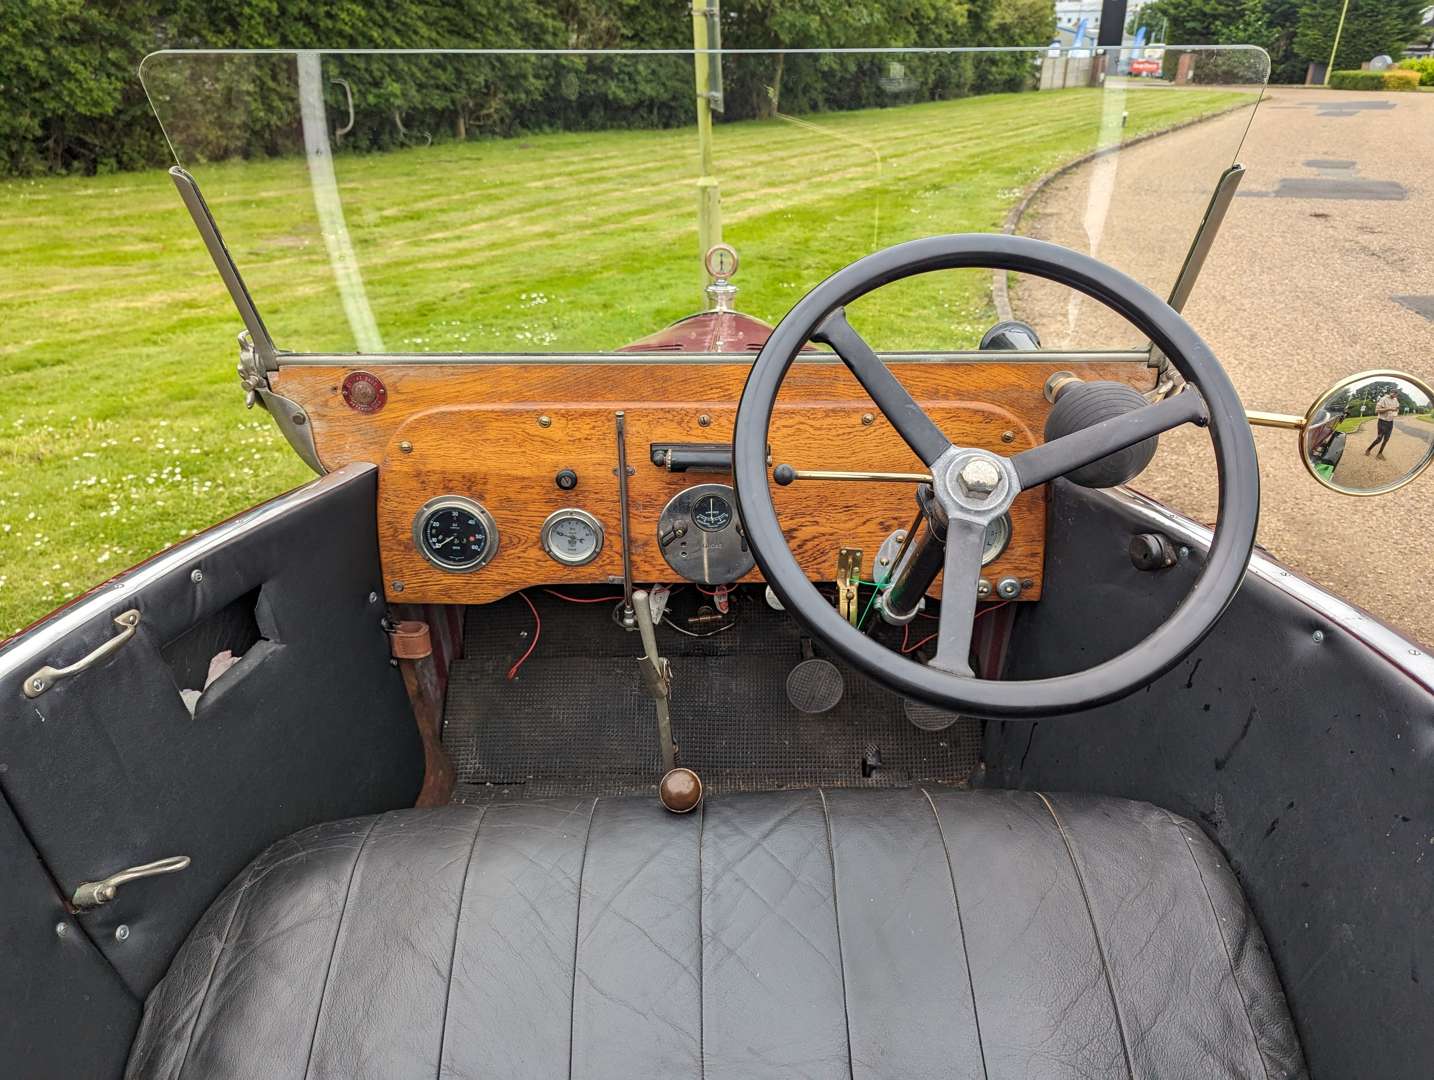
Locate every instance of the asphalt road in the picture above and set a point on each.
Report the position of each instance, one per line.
(1299, 291)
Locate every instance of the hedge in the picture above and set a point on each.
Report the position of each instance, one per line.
(1424, 65)
(1389, 79)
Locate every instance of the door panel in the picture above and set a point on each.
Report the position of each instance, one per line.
(109, 768)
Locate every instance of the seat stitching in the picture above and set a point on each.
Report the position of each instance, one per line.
(701, 951)
(577, 931)
(239, 899)
(334, 948)
(836, 920)
(1095, 931)
(961, 929)
(457, 927)
(1229, 958)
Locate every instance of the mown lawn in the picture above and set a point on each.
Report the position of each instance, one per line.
(123, 423)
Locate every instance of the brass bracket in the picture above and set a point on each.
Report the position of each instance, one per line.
(847, 578)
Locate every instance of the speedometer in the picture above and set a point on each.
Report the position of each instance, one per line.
(455, 533)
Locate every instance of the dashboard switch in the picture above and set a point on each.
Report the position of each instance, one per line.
(566, 480)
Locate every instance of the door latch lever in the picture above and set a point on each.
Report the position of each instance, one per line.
(91, 894)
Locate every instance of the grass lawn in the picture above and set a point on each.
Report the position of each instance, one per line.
(123, 423)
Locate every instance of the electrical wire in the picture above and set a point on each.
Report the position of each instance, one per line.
(689, 633)
(928, 637)
(537, 632)
(584, 599)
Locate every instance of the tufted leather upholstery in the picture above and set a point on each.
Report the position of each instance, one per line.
(845, 934)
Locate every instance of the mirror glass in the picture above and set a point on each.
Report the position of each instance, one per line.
(1371, 433)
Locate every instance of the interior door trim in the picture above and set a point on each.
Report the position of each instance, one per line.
(39, 642)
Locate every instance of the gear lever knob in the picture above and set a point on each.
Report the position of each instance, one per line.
(680, 790)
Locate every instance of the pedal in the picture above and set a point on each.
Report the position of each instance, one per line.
(815, 685)
(929, 717)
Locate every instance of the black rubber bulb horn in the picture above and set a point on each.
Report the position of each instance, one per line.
(1079, 405)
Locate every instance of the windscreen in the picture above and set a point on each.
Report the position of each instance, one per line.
(530, 202)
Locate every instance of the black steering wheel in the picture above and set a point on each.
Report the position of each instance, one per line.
(974, 486)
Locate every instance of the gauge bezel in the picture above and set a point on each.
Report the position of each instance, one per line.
(456, 502)
(990, 555)
(571, 513)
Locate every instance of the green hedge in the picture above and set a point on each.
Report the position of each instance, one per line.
(1391, 79)
(1424, 65)
(70, 100)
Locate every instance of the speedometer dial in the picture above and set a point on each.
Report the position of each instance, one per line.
(572, 537)
(455, 533)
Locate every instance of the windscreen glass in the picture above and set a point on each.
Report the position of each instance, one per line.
(529, 202)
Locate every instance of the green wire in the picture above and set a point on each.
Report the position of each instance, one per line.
(875, 592)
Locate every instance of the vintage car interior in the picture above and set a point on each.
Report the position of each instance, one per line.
(723, 700)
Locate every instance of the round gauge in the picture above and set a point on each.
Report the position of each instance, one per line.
(721, 260)
(572, 537)
(711, 512)
(455, 533)
(998, 535)
(700, 536)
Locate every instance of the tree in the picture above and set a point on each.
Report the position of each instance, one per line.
(1371, 28)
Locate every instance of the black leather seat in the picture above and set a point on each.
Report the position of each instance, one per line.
(846, 934)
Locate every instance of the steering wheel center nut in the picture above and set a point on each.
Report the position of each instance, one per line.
(978, 479)
(974, 481)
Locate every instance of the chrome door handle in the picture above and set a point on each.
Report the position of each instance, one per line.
(91, 894)
(48, 676)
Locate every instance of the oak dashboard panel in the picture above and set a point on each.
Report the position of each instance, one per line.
(535, 446)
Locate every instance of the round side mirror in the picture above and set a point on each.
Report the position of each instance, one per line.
(1370, 433)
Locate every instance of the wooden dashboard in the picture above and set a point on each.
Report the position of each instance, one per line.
(500, 433)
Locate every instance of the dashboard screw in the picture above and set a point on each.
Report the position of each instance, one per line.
(1318, 637)
(61, 929)
(373, 598)
(867, 419)
(704, 420)
(1008, 436)
(196, 575)
(397, 586)
(121, 932)
(406, 447)
(545, 421)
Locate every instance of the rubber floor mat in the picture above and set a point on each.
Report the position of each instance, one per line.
(575, 718)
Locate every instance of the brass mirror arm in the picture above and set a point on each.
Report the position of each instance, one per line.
(1274, 420)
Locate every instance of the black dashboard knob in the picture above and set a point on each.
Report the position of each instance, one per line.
(566, 480)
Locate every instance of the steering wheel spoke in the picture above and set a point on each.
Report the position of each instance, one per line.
(1044, 463)
(965, 538)
(911, 423)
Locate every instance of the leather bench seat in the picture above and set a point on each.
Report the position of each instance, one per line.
(843, 934)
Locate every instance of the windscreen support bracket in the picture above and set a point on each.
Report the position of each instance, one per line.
(1200, 246)
(257, 354)
(259, 339)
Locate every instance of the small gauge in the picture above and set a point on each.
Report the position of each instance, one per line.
(998, 535)
(721, 260)
(700, 537)
(711, 512)
(572, 537)
(455, 533)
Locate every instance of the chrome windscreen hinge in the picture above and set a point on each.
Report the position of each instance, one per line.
(91, 894)
(253, 375)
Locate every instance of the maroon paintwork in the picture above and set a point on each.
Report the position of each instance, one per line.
(707, 332)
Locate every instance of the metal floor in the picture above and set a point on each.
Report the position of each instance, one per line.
(576, 719)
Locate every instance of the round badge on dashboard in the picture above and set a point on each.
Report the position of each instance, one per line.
(364, 392)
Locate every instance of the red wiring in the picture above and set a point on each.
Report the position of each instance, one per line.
(710, 592)
(923, 641)
(537, 631)
(583, 599)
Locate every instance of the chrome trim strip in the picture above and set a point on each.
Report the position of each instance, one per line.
(663, 356)
(1408, 656)
(32, 646)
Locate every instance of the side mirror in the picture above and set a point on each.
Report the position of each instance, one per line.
(1368, 434)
